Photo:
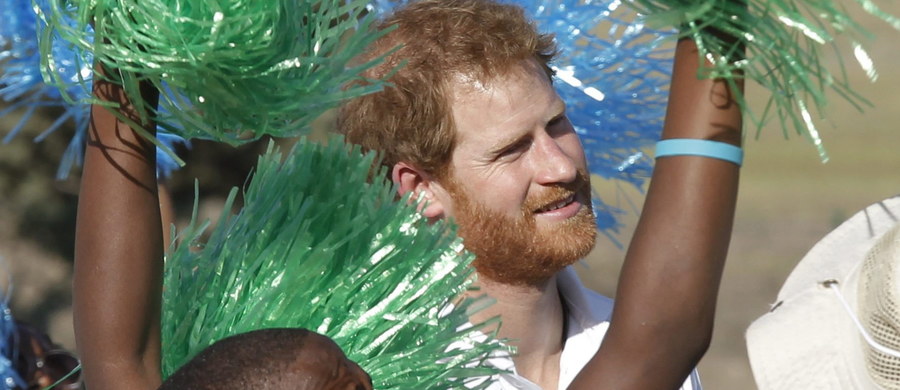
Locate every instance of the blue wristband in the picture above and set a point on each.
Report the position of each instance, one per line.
(700, 147)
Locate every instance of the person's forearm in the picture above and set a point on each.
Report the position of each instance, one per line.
(665, 303)
(118, 253)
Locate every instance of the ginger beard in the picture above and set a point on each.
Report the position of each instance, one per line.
(514, 250)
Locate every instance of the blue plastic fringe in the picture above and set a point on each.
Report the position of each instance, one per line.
(8, 348)
(22, 86)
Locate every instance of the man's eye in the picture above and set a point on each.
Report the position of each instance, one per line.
(558, 125)
(515, 148)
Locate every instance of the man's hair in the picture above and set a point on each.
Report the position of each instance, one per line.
(436, 41)
(259, 359)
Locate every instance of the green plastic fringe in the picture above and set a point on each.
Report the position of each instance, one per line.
(783, 39)
(228, 70)
(316, 246)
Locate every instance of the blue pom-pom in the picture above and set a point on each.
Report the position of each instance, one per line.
(17, 32)
(8, 346)
(22, 85)
(8, 351)
(613, 75)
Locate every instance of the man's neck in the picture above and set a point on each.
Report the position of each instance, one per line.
(532, 319)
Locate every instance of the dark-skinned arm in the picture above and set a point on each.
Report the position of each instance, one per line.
(665, 303)
(118, 251)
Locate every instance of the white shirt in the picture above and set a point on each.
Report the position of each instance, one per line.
(588, 321)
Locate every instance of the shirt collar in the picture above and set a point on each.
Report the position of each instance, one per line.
(584, 311)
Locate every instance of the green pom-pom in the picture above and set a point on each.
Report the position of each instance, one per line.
(782, 39)
(228, 70)
(316, 246)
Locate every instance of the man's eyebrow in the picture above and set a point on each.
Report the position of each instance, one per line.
(558, 108)
(506, 142)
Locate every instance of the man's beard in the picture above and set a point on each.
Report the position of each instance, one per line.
(513, 250)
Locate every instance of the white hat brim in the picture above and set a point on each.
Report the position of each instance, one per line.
(808, 341)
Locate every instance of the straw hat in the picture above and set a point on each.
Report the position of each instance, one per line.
(811, 338)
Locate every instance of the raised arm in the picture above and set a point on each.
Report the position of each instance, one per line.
(665, 304)
(118, 252)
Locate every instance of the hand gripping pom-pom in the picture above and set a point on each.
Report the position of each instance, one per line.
(782, 41)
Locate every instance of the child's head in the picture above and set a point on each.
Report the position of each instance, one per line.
(271, 359)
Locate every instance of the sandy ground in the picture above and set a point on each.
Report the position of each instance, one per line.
(788, 200)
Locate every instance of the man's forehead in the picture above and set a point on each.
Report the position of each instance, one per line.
(505, 96)
(482, 77)
(467, 83)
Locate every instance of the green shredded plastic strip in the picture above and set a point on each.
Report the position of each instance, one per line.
(316, 246)
(228, 70)
(783, 39)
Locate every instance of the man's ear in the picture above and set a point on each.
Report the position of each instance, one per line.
(424, 189)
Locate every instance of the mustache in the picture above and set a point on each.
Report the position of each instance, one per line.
(559, 192)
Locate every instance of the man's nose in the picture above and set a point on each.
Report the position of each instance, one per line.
(554, 163)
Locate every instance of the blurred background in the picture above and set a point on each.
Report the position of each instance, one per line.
(788, 200)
